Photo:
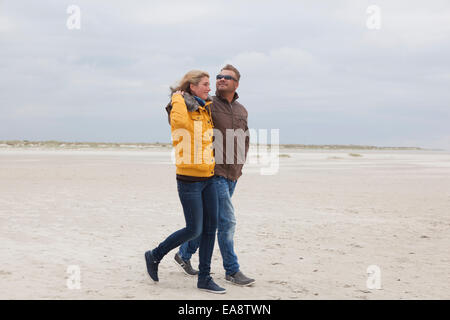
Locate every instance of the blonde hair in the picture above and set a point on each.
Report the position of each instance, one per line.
(192, 77)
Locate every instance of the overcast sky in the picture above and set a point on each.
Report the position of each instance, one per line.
(313, 69)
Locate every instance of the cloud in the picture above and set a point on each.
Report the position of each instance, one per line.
(6, 25)
(410, 25)
(283, 72)
(311, 69)
(284, 60)
(174, 12)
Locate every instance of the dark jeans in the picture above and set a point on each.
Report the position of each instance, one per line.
(226, 226)
(200, 206)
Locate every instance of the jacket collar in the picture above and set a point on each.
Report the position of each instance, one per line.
(191, 103)
(236, 96)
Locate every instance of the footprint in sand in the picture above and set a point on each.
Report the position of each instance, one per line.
(5, 273)
(278, 282)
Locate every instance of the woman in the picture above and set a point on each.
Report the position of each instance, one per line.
(191, 124)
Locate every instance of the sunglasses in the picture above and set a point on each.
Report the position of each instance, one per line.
(226, 77)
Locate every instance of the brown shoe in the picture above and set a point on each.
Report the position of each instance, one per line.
(185, 265)
(239, 279)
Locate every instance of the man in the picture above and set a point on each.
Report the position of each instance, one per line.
(227, 113)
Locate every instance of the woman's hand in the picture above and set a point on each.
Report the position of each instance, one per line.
(178, 92)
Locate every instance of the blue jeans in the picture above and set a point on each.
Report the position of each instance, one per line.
(200, 206)
(226, 226)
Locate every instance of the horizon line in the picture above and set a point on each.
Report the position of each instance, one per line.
(57, 143)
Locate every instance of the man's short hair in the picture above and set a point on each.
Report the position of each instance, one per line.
(232, 68)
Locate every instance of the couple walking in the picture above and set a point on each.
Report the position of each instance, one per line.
(205, 181)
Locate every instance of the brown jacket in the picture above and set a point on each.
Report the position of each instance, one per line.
(227, 115)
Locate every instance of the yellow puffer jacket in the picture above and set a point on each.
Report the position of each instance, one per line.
(192, 133)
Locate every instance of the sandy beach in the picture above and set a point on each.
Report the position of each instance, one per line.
(310, 231)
